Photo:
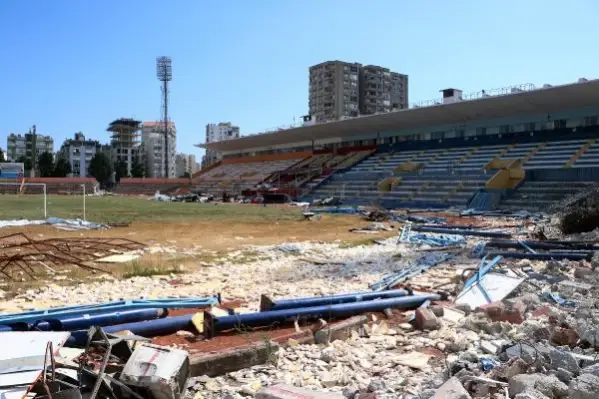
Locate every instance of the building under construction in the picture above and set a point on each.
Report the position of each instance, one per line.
(124, 142)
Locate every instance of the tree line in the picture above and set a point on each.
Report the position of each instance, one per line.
(100, 167)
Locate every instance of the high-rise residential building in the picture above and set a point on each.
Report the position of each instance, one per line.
(185, 164)
(218, 132)
(382, 90)
(124, 141)
(340, 90)
(21, 145)
(334, 90)
(153, 143)
(79, 152)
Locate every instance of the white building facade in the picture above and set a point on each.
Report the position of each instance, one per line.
(218, 132)
(79, 153)
(21, 145)
(153, 143)
(185, 163)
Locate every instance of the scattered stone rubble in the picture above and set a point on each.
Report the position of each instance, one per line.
(529, 345)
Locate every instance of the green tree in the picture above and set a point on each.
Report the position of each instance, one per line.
(137, 168)
(45, 165)
(2, 159)
(27, 165)
(121, 170)
(100, 168)
(185, 176)
(62, 168)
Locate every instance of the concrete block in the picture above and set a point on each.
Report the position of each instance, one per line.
(451, 389)
(425, 319)
(522, 382)
(489, 347)
(340, 330)
(531, 394)
(219, 363)
(283, 391)
(586, 386)
(437, 310)
(564, 360)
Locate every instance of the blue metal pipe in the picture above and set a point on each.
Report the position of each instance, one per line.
(544, 255)
(118, 306)
(462, 232)
(72, 323)
(565, 245)
(151, 328)
(267, 304)
(212, 324)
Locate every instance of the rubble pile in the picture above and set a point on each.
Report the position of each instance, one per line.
(529, 345)
(579, 213)
(505, 316)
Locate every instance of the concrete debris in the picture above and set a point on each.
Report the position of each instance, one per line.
(536, 337)
(451, 389)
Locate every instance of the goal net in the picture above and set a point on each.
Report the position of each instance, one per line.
(23, 201)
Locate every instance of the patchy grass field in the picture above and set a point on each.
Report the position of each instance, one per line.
(128, 209)
(200, 233)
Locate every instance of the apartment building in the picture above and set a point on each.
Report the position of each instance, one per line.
(218, 132)
(185, 163)
(382, 90)
(153, 143)
(334, 90)
(79, 152)
(340, 90)
(21, 145)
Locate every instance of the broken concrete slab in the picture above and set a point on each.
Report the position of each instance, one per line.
(531, 394)
(339, 331)
(451, 389)
(426, 319)
(219, 363)
(586, 386)
(415, 360)
(282, 391)
(564, 360)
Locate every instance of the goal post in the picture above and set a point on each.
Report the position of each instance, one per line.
(17, 189)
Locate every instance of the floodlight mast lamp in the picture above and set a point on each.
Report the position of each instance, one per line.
(164, 72)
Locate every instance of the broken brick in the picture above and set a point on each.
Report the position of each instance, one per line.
(426, 319)
(564, 336)
(497, 311)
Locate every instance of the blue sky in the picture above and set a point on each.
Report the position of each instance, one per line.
(71, 65)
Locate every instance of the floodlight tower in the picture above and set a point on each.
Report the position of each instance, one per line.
(164, 72)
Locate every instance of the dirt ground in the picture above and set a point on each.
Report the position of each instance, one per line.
(219, 236)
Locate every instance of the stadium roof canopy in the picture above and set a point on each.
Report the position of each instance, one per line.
(544, 100)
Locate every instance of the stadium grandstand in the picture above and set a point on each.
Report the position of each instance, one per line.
(519, 147)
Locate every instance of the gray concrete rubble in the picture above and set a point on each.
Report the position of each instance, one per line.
(539, 339)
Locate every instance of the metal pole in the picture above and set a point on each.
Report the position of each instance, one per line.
(267, 304)
(79, 322)
(462, 232)
(213, 325)
(166, 129)
(83, 186)
(544, 255)
(150, 328)
(45, 203)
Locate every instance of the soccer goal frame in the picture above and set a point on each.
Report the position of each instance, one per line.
(20, 187)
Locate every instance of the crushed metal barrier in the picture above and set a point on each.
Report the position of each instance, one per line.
(411, 269)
